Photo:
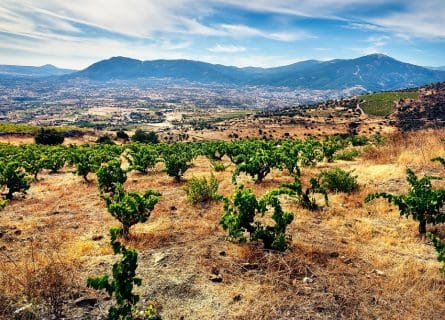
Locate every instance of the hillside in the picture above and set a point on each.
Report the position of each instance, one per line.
(11, 71)
(373, 72)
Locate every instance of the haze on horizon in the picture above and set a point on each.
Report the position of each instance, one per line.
(261, 33)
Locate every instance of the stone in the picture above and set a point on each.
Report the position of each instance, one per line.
(85, 302)
(97, 237)
(217, 278)
(307, 280)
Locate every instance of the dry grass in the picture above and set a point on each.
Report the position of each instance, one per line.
(346, 261)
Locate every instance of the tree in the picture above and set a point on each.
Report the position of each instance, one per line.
(121, 134)
(109, 175)
(130, 207)
(122, 282)
(14, 178)
(49, 137)
(422, 202)
(145, 137)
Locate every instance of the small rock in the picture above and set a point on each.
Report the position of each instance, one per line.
(97, 237)
(216, 278)
(378, 272)
(237, 298)
(307, 280)
(159, 257)
(18, 232)
(25, 313)
(85, 302)
(334, 254)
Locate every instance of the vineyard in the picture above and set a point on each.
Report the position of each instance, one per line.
(384, 103)
(331, 228)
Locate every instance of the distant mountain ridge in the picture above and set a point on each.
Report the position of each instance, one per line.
(374, 72)
(30, 71)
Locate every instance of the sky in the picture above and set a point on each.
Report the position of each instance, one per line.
(264, 33)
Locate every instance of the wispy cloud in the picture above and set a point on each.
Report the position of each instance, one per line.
(226, 48)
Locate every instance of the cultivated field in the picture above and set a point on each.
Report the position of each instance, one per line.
(348, 260)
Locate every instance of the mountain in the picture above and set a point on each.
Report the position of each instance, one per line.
(374, 72)
(11, 71)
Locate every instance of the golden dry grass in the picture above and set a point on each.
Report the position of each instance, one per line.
(347, 261)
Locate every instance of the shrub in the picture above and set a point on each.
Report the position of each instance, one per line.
(218, 166)
(122, 282)
(258, 166)
(338, 180)
(53, 160)
(104, 140)
(440, 160)
(145, 137)
(109, 175)
(121, 134)
(307, 197)
(49, 137)
(347, 155)
(176, 165)
(141, 158)
(201, 189)
(422, 202)
(239, 219)
(130, 207)
(14, 178)
(439, 245)
(358, 141)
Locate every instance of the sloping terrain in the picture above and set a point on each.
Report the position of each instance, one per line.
(347, 261)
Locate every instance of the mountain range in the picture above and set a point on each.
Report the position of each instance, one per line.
(375, 72)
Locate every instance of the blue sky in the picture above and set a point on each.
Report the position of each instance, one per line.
(263, 33)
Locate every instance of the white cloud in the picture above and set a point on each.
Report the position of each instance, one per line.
(226, 49)
(240, 31)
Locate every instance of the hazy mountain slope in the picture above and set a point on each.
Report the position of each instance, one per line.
(29, 71)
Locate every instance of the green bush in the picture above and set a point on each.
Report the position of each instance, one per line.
(306, 198)
(176, 165)
(141, 157)
(145, 137)
(122, 282)
(130, 207)
(218, 166)
(121, 134)
(202, 190)
(338, 180)
(109, 175)
(439, 245)
(240, 218)
(104, 140)
(49, 137)
(347, 155)
(422, 202)
(358, 141)
(14, 178)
